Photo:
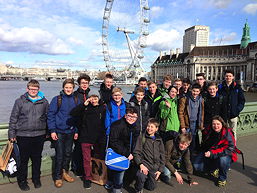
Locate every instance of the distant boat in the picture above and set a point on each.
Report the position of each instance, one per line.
(61, 70)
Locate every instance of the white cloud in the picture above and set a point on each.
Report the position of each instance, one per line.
(75, 41)
(156, 11)
(250, 8)
(223, 37)
(220, 4)
(32, 40)
(164, 40)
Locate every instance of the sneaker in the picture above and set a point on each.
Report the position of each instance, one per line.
(87, 184)
(108, 186)
(222, 183)
(37, 183)
(215, 173)
(24, 186)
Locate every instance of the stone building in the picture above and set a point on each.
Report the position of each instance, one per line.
(211, 60)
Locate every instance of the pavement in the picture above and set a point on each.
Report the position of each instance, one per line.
(239, 180)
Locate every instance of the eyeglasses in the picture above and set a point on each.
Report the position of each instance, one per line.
(33, 89)
(132, 117)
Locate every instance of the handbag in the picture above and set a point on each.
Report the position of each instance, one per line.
(5, 156)
(115, 161)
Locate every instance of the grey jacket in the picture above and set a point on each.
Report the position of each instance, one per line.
(28, 119)
(150, 153)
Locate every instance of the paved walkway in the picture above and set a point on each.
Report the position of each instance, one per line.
(239, 180)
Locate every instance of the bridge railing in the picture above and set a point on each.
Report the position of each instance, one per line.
(247, 125)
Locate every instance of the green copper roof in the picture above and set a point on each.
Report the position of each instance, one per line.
(246, 36)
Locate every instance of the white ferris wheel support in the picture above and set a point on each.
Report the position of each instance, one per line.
(135, 68)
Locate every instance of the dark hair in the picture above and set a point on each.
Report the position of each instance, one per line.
(169, 89)
(167, 77)
(185, 138)
(186, 80)
(68, 81)
(108, 75)
(196, 85)
(229, 71)
(33, 83)
(219, 118)
(212, 84)
(142, 79)
(200, 74)
(131, 110)
(139, 89)
(153, 121)
(83, 76)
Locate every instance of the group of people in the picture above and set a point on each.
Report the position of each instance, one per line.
(157, 130)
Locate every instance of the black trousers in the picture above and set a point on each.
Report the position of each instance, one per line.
(145, 181)
(30, 148)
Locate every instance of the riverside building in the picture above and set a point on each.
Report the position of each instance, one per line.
(211, 60)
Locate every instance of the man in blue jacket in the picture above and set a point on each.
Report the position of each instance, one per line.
(233, 100)
(62, 127)
(27, 126)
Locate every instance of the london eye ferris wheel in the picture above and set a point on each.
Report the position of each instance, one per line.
(125, 63)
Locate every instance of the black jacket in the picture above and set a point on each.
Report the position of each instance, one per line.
(153, 102)
(143, 113)
(92, 124)
(212, 107)
(82, 94)
(233, 100)
(105, 93)
(120, 137)
(150, 152)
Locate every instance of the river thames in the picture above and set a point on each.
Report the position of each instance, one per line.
(11, 90)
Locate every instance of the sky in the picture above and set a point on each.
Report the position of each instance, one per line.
(68, 33)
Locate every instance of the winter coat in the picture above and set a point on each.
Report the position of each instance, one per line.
(119, 139)
(225, 146)
(143, 113)
(92, 123)
(212, 107)
(28, 119)
(82, 94)
(184, 113)
(150, 152)
(114, 113)
(174, 155)
(105, 93)
(153, 102)
(233, 100)
(164, 91)
(170, 115)
(59, 118)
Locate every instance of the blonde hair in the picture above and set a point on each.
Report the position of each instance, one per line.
(116, 89)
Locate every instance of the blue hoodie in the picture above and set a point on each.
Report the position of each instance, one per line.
(117, 112)
(59, 119)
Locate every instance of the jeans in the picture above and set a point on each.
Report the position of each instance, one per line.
(195, 139)
(86, 151)
(63, 149)
(30, 148)
(166, 172)
(115, 178)
(77, 159)
(201, 163)
(147, 181)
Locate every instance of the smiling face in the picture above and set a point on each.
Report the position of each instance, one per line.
(140, 96)
(216, 125)
(94, 101)
(178, 84)
(200, 80)
(68, 88)
(32, 91)
(142, 84)
(84, 84)
(229, 78)
(173, 93)
(151, 129)
(131, 118)
(117, 96)
(195, 92)
(185, 86)
(167, 84)
(152, 88)
(212, 90)
(183, 146)
(108, 82)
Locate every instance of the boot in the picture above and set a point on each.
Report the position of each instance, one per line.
(67, 177)
(58, 183)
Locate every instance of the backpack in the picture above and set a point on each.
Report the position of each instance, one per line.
(59, 100)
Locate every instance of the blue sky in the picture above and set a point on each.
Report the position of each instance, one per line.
(67, 33)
